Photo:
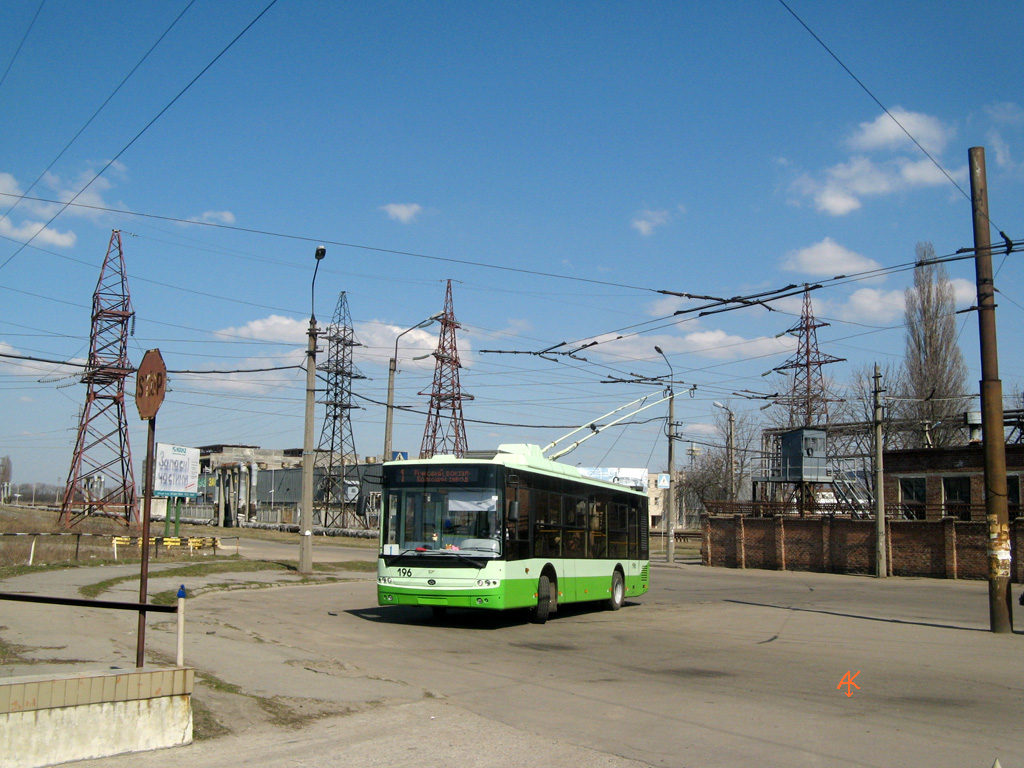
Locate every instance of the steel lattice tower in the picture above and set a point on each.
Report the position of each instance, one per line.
(445, 432)
(101, 478)
(336, 455)
(808, 396)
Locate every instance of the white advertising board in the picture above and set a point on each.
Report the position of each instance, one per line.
(631, 477)
(177, 471)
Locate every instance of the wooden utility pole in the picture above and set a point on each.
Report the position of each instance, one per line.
(992, 434)
(881, 564)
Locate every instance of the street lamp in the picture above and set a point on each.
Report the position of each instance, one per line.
(392, 367)
(306, 516)
(730, 450)
(670, 516)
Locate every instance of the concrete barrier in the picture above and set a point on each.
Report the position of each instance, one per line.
(51, 719)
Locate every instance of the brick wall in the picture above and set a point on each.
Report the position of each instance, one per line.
(945, 548)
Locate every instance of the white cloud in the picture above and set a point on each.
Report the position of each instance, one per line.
(965, 293)
(827, 259)
(272, 328)
(215, 217)
(715, 344)
(884, 133)
(645, 222)
(28, 228)
(842, 188)
(38, 233)
(667, 305)
(420, 342)
(403, 212)
(872, 305)
(703, 429)
(1006, 113)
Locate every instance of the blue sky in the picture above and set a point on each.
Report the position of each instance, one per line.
(627, 148)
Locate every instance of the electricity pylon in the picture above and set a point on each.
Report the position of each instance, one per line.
(445, 432)
(101, 479)
(336, 456)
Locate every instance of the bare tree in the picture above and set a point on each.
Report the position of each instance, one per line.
(935, 381)
(708, 478)
(5, 469)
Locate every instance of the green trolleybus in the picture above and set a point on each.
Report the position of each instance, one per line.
(508, 529)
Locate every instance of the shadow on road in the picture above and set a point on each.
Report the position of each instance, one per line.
(857, 616)
(468, 618)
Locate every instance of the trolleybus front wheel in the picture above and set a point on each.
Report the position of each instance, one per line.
(544, 597)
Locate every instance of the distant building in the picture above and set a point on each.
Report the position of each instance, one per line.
(931, 483)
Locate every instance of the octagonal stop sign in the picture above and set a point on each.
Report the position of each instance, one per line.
(150, 384)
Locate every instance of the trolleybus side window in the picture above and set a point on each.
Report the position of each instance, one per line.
(519, 530)
(574, 509)
(598, 526)
(547, 528)
(618, 530)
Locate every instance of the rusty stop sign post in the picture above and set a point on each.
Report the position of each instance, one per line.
(150, 386)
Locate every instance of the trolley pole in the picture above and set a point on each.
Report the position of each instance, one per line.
(993, 439)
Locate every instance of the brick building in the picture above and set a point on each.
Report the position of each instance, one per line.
(932, 483)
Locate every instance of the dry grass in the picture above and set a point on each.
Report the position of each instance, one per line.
(96, 549)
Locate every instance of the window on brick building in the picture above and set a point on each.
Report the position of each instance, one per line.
(956, 497)
(1013, 496)
(912, 497)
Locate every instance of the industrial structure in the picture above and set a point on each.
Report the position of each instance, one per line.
(335, 460)
(101, 479)
(445, 432)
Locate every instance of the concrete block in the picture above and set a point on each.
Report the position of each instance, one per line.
(45, 694)
(144, 681)
(57, 696)
(17, 700)
(121, 688)
(96, 690)
(178, 685)
(163, 682)
(5, 699)
(109, 687)
(84, 691)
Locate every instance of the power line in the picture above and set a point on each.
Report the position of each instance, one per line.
(85, 365)
(887, 112)
(98, 110)
(324, 241)
(23, 39)
(65, 205)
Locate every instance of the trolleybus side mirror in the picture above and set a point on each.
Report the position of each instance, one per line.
(513, 511)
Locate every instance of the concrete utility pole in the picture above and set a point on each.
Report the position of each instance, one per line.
(881, 565)
(670, 513)
(730, 449)
(306, 515)
(992, 435)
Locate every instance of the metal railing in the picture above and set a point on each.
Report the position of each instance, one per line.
(139, 608)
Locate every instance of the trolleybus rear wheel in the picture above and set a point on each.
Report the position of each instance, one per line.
(618, 592)
(543, 608)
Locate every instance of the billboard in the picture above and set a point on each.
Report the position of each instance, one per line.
(177, 471)
(631, 477)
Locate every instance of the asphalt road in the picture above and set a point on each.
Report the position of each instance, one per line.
(713, 667)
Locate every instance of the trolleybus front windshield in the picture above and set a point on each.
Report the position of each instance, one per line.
(442, 510)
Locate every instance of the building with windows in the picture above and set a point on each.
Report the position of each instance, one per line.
(932, 483)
